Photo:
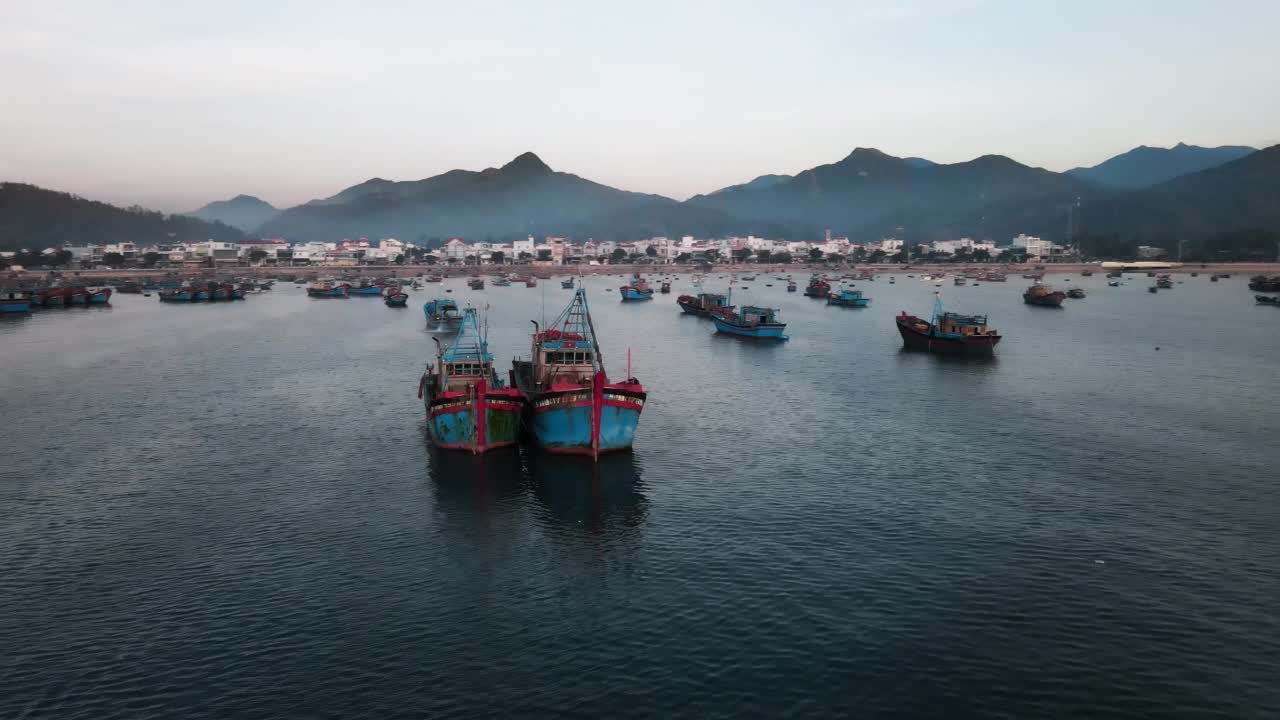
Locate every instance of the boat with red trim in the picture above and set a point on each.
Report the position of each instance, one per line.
(327, 289)
(1043, 295)
(817, 287)
(467, 406)
(947, 333)
(703, 304)
(396, 298)
(571, 406)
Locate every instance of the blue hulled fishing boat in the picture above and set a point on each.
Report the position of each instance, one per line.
(636, 291)
(327, 290)
(751, 322)
(467, 406)
(366, 289)
(15, 302)
(572, 408)
(443, 314)
(848, 298)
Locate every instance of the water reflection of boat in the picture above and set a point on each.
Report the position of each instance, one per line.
(477, 488)
(602, 497)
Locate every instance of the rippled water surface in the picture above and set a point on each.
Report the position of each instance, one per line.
(219, 511)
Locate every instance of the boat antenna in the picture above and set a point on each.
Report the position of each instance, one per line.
(595, 342)
(937, 307)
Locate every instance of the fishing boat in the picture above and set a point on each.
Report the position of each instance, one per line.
(665, 288)
(567, 284)
(366, 289)
(947, 333)
(396, 298)
(1043, 295)
(99, 296)
(129, 287)
(531, 282)
(326, 289)
(750, 322)
(1266, 300)
(817, 288)
(1213, 278)
(1153, 289)
(51, 297)
(635, 292)
(183, 294)
(791, 286)
(1165, 283)
(703, 304)
(848, 298)
(476, 283)
(571, 407)
(434, 278)
(1113, 283)
(1262, 283)
(443, 314)
(501, 281)
(1086, 273)
(467, 406)
(959, 280)
(1075, 293)
(12, 301)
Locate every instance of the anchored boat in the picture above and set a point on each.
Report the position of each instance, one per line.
(15, 302)
(567, 284)
(948, 333)
(751, 322)
(817, 288)
(571, 407)
(396, 298)
(703, 304)
(443, 314)
(848, 298)
(326, 289)
(1043, 295)
(468, 408)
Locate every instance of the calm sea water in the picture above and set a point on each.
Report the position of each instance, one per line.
(232, 510)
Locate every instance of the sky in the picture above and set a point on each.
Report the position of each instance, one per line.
(174, 104)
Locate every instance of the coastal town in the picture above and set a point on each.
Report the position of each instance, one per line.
(548, 251)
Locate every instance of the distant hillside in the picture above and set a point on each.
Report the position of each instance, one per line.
(760, 183)
(35, 218)
(1143, 167)
(523, 197)
(245, 212)
(869, 194)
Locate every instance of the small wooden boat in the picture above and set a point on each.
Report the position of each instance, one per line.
(1262, 283)
(791, 287)
(129, 287)
(959, 280)
(501, 281)
(1043, 296)
(571, 407)
(1086, 273)
(1075, 293)
(99, 296)
(703, 304)
(396, 298)
(948, 333)
(476, 283)
(757, 323)
(567, 284)
(467, 406)
(1267, 300)
(848, 298)
(665, 288)
(327, 289)
(1153, 289)
(817, 288)
(1164, 283)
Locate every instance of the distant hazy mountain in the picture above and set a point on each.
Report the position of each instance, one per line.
(523, 197)
(919, 162)
(245, 212)
(870, 194)
(759, 183)
(35, 218)
(1143, 167)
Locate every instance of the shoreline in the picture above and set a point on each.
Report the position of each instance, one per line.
(796, 270)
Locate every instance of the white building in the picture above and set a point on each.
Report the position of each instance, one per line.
(1034, 247)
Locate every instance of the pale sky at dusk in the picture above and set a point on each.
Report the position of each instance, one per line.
(173, 104)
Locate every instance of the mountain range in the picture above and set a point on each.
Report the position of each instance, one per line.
(1143, 167)
(865, 195)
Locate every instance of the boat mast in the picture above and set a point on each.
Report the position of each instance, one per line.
(597, 356)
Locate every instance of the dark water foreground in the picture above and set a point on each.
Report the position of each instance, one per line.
(227, 511)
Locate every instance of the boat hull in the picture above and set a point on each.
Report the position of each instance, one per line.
(15, 306)
(331, 293)
(370, 291)
(100, 297)
(976, 346)
(476, 421)
(581, 422)
(397, 301)
(176, 297)
(630, 295)
(771, 331)
(1050, 300)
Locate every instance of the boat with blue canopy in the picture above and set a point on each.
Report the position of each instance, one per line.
(758, 323)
